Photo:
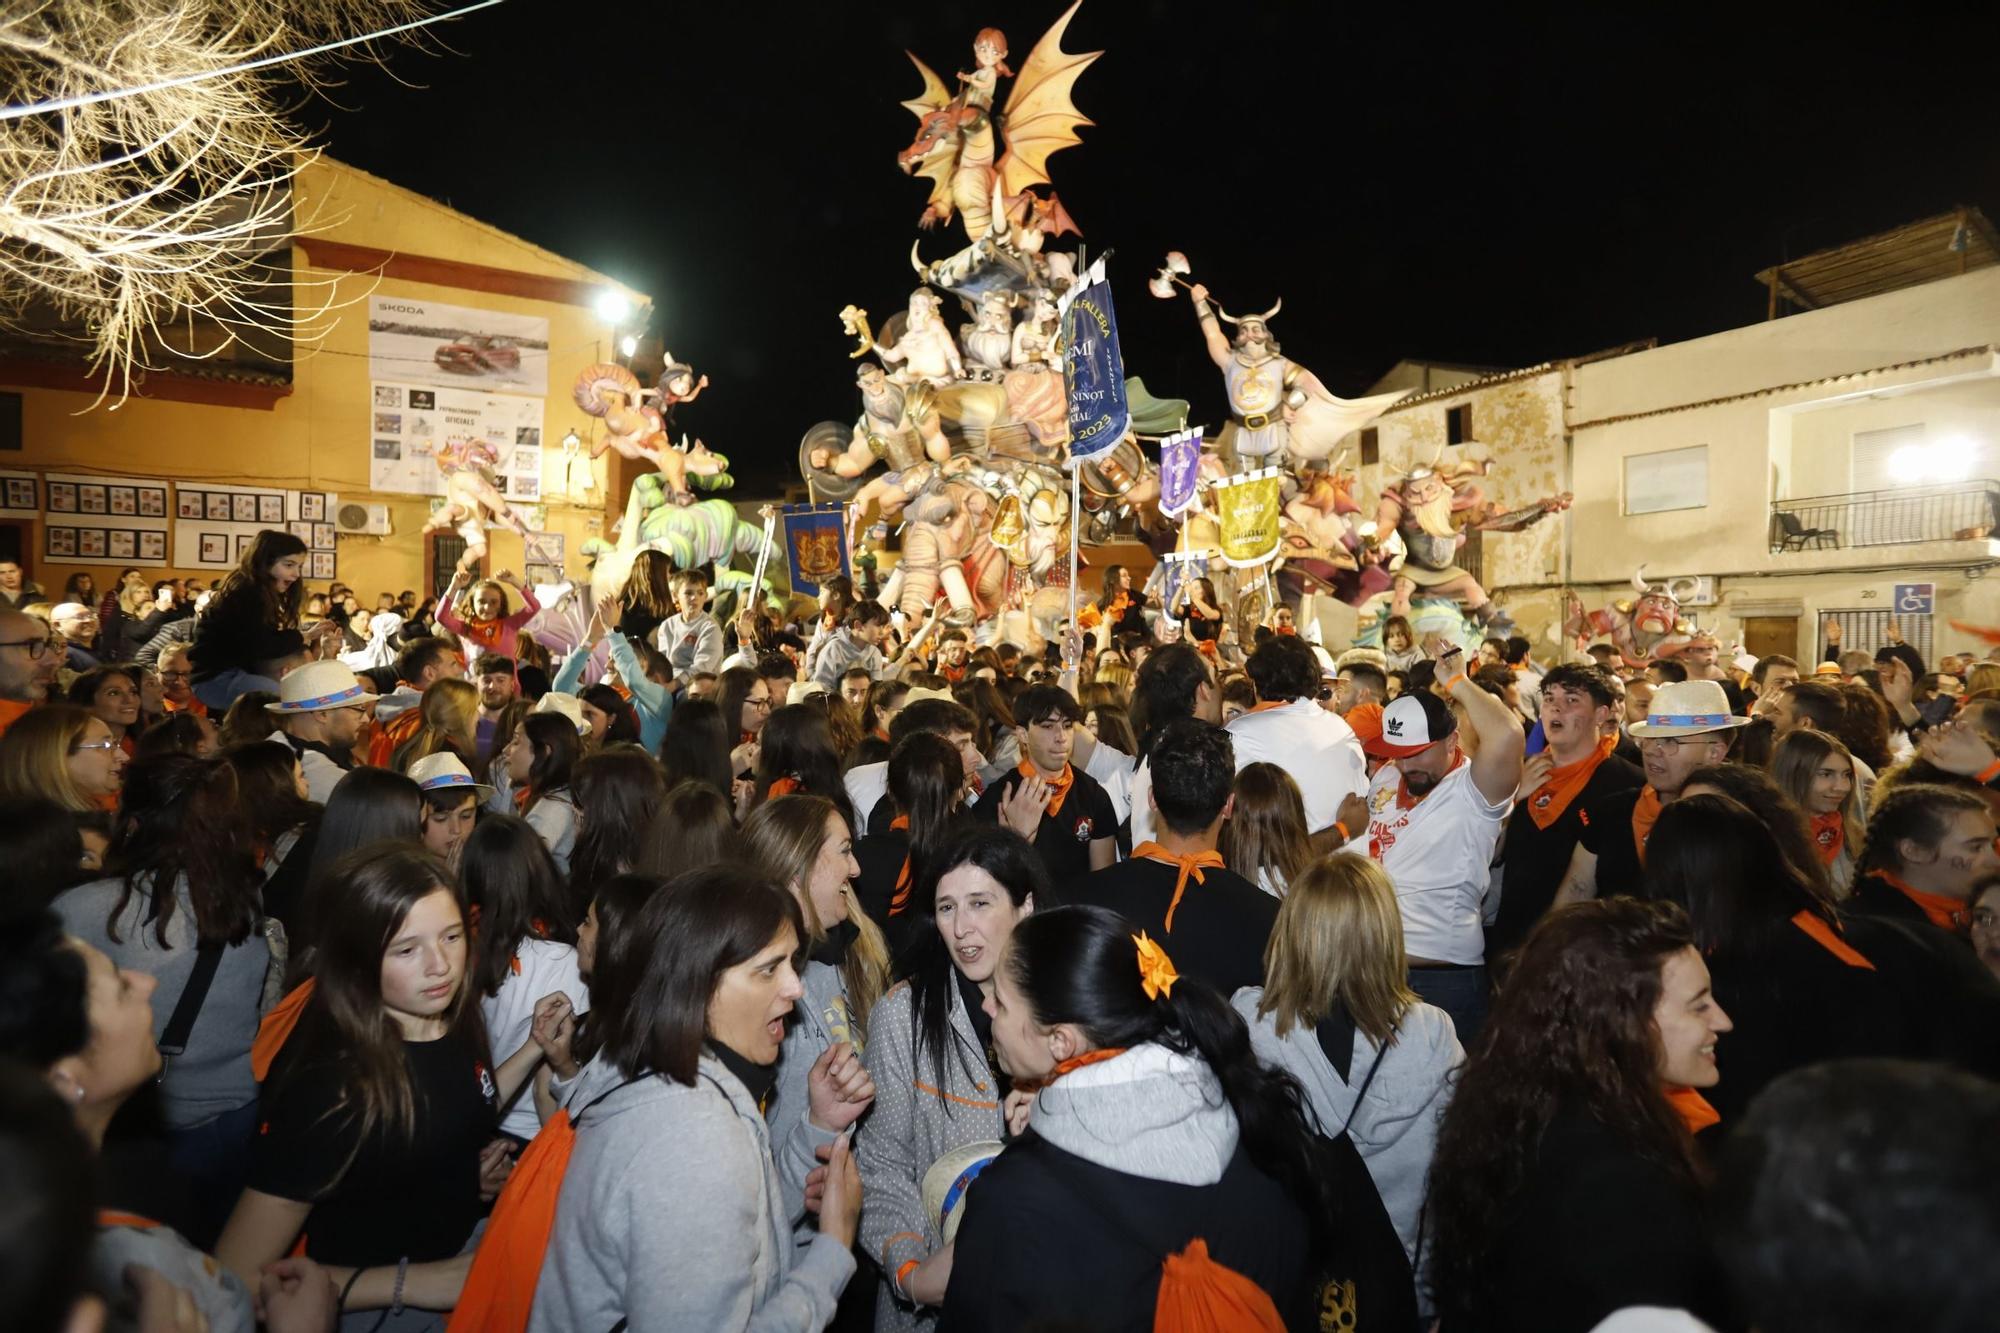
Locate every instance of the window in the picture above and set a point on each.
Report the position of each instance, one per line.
(10, 422)
(1670, 479)
(1371, 446)
(1458, 424)
(1870, 454)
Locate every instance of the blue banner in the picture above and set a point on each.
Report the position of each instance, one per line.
(815, 544)
(1180, 469)
(1093, 367)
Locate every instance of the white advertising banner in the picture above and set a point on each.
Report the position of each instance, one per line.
(413, 341)
(410, 422)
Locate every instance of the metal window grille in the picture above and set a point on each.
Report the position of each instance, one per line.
(446, 548)
(1865, 631)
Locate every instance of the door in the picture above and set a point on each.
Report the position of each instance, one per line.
(444, 552)
(1764, 636)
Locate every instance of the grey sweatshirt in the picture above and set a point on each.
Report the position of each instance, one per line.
(915, 1121)
(1396, 1129)
(842, 651)
(1148, 1112)
(818, 1021)
(213, 1075)
(671, 1217)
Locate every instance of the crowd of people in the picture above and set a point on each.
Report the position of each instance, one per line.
(374, 971)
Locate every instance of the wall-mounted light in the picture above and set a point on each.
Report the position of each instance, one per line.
(629, 346)
(613, 307)
(1950, 459)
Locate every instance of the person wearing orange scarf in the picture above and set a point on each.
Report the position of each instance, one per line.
(1047, 800)
(1929, 850)
(1177, 887)
(1579, 717)
(1688, 725)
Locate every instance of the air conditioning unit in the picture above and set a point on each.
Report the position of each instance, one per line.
(360, 520)
(1693, 589)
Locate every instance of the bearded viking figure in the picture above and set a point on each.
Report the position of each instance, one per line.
(1643, 627)
(1420, 509)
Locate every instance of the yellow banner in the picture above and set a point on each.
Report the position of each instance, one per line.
(1248, 511)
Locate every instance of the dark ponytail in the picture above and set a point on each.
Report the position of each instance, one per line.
(1080, 965)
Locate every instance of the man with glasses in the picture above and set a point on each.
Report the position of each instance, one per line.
(1689, 725)
(176, 676)
(321, 709)
(28, 664)
(78, 625)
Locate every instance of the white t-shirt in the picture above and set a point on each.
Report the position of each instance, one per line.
(1437, 853)
(554, 817)
(867, 784)
(1112, 768)
(546, 967)
(1316, 747)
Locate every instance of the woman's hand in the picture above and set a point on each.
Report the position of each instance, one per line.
(496, 1163)
(840, 1203)
(838, 1088)
(1957, 748)
(297, 1296)
(553, 1026)
(744, 792)
(1018, 1107)
(927, 1281)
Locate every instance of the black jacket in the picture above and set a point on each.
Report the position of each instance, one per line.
(1594, 1228)
(1048, 1236)
(1533, 860)
(226, 637)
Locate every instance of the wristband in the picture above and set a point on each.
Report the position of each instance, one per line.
(1341, 829)
(903, 1271)
(1988, 773)
(1448, 685)
(402, 1271)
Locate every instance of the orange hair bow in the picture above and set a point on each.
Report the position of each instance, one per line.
(1156, 970)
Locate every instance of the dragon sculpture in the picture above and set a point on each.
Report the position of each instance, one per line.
(955, 147)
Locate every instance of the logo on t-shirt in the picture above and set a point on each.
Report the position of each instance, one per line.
(1083, 827)
(487, 1090)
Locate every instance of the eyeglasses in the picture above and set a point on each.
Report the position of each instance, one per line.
(758, 703)
(36, 647)
(176, 675)
(81, 746)
(1670, 744)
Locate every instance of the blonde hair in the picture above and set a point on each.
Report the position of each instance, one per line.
(1267, 829)
(1117, 675)
(1338, 940)
(1797, 760)
(783, 838)
(1983, 676)
(450, 713)
(34, 756)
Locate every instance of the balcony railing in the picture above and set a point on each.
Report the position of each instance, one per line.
(1958, 511)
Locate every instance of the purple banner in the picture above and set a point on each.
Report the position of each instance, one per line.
(1180, 469)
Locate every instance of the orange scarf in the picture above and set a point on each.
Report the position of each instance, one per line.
(1189, 866)
(899, 903)
(193, 705)
(1059, 785)
(1828, 938)
(1076, 1062)
(12, 711)
(1564, 783)
(1693, 1109)
(1829, 835)
(1944, 913)
(1645, 814)
(784, 786)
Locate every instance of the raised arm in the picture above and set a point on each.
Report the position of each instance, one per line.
(1496, 769)
(1211, 327)
(529, 606)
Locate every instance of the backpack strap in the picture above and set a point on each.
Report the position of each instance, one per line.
(1355, 1109)
(174, 1039)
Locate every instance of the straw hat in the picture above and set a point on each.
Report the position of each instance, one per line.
(571, 707)
(319, 686)
(1688, 708)
(446, 772)
(946, 1181)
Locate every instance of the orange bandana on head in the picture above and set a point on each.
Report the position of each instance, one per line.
(1829, 835)
(1189, 865)
(1693, 1109)
(1565, 783)
(1942, 912)
(1059, 785)
(1645, 814)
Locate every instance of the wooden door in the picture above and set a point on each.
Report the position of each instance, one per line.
(1765, 635)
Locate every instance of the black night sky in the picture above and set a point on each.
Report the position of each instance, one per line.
(1494, 189)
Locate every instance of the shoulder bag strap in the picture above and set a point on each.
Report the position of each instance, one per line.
(174, 1040)
(1355, 1110)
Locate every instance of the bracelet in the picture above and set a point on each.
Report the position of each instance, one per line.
(1448, 685)
(903, 1271)
(1341, 829)
(340, 1305)
(1988, 773)
(402, 1271)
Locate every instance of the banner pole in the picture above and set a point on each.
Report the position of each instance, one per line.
(763, 558)
(1075, 532)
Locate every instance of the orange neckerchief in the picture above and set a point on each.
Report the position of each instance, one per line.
(1404, 800)
(744, 738)
(107, 802)
(1269, 704)
(111, 1217)
(899, 903)
(522, 797)
(1076, 1062)
(882, 734)
(1645, 813)
(1547, 803)
(1059, 785)
(1189, 866)
(193, 705)
(784, 786)
(1207, 648)
(1829, 835)
(1828, 938)
(1693, 1109)
(11, 711)
(1286, 629)
(953, 675)
(1944, 913)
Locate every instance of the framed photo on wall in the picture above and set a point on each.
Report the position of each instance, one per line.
(243, 541)
(91, 499)
(124, 500)
(322, 538)
(123, 544)
(20, 492)
(152, 502)
(243, 508)
(187, 504)
(59, 541)
(217, 506)
(62, 499)
(90, 542)
(152, 546)
(301, 529)
(322, 564)
(271, 509)
(215, 548)
(312, 507)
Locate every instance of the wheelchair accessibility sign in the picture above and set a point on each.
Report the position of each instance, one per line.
(1915, 599)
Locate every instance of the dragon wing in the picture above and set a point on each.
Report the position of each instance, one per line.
(1040, 119)
(935, 96)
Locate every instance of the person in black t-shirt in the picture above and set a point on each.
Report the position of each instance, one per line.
(1177, 889)
(926, 780)
(378, 1139)
(1056, 806)
(1579, 717)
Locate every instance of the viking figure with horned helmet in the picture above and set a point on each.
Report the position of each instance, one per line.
(1643, 627)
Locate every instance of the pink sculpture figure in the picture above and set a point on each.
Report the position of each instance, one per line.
(1641, 628)
(471, 496)
(611, 393)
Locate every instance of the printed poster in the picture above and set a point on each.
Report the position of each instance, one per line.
(90, 520)
(414, 341)
(410, 422)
